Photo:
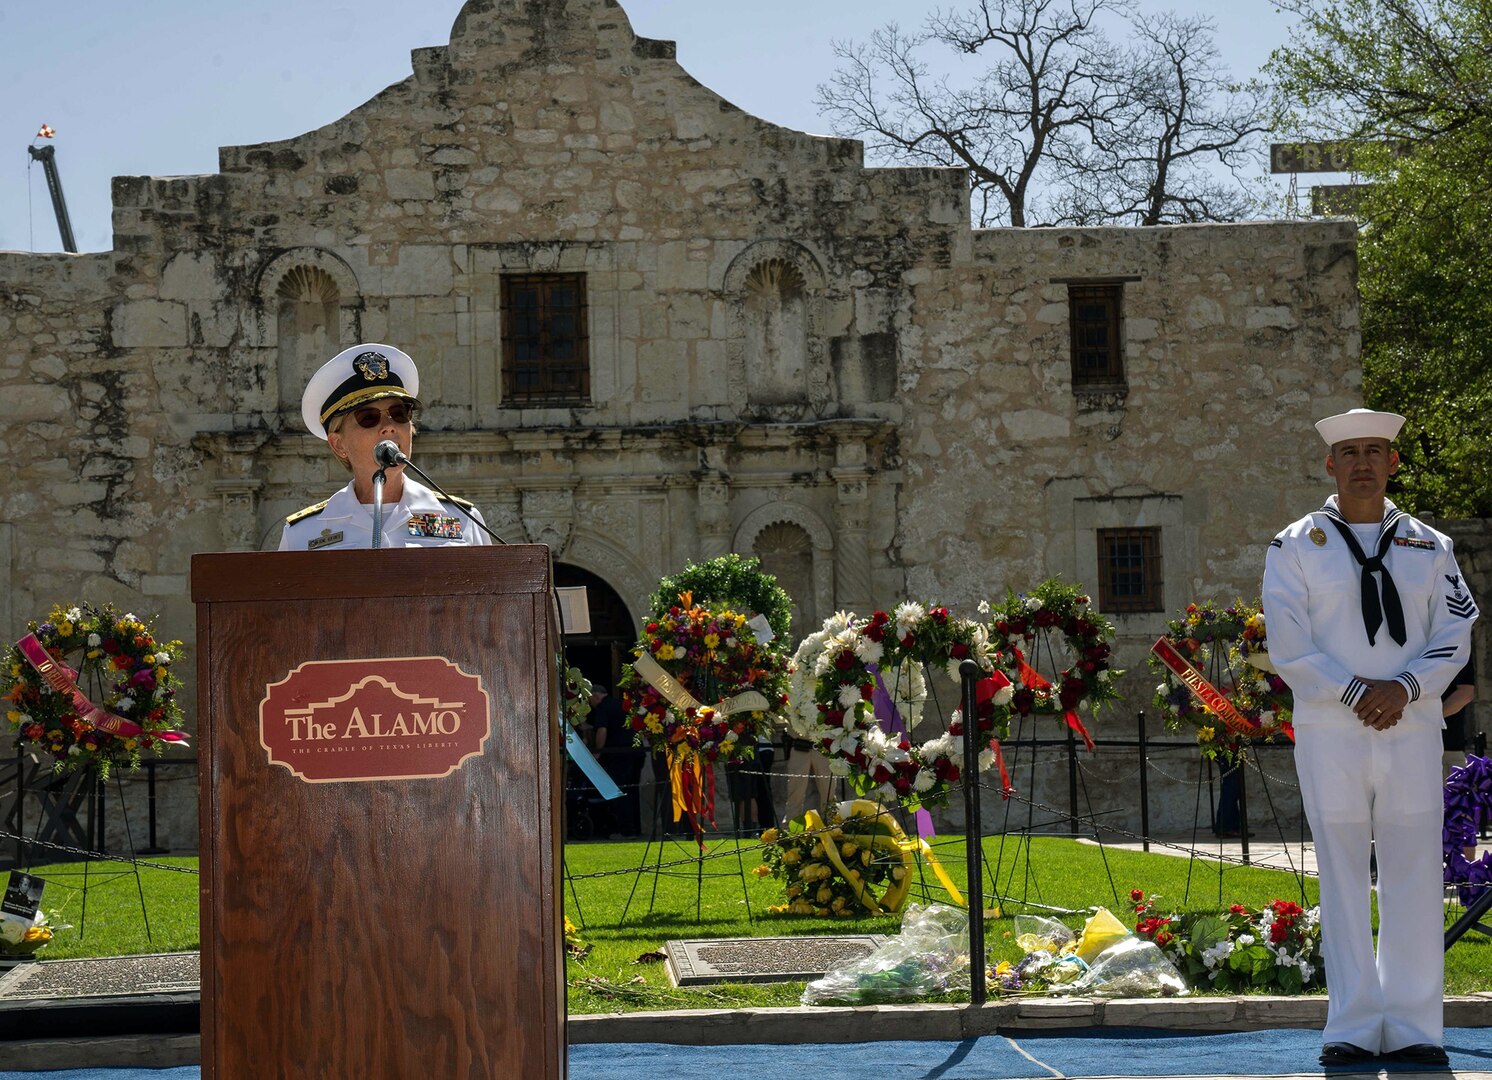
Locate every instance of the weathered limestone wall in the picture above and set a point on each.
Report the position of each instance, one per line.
(784, 345)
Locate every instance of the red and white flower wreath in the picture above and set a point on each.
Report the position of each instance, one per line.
(839, 689)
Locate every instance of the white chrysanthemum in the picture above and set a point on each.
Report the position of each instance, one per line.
(886, 792)
(907, 615)
(839, 767)
(849, 695)
(1005, 695)
(951, 669)
(162, 657)
(1033, 603)
(1161, 689)
(129, 616)
(983, 608)
(125, 704)
(1105, 675)
(869, 652)
(923, 781)
(945, 745)
(986, 759)
(74, 614)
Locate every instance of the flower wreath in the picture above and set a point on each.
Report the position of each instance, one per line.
(1228, 647)
(843, 702)
(92, 687)
(833, 868)
(1468, 807)
(1022, 630)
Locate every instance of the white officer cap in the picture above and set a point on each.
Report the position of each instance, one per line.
(355, 377)
(1360, 424)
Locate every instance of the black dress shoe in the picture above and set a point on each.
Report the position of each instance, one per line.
(1420, 1054)
(1344, 1053)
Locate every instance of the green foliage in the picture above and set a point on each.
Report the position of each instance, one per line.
(1416, 77)
(733, 580)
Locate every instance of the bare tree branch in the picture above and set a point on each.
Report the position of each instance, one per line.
(1057, 125)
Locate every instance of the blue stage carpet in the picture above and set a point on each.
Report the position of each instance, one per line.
(1134, 1052)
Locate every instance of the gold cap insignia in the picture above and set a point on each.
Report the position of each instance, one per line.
(1318, 537)
(372, 366)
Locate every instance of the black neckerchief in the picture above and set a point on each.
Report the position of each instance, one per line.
(1373, 614)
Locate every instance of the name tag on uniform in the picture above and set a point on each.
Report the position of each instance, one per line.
(1414, 542)
(326, 539)
(435, 525)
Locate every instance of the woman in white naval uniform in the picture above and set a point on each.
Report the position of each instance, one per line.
(1369, 620)
(359, 398)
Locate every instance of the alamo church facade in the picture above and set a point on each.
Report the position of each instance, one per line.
(653, 328)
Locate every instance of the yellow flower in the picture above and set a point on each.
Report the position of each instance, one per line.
(848, 849)
(665, 652)
(791, 856)
(865, 858)
(711, 640)
(817, 851)
(13, 716)
(65, 628)
(761, 871)
(569, 926)
(149, 658)
(801, 907)
(1205, 733)
(838, 904)
(94, 654)
(794, 890)
(824, 895)
(1002, 968)
(821, 912)
(770, 836)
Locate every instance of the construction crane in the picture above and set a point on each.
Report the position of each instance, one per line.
(47, 155)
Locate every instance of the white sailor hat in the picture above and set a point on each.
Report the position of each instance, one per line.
(354, 377)
(1360, 424)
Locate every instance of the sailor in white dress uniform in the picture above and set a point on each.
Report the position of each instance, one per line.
(1368, 620)
(359, 398)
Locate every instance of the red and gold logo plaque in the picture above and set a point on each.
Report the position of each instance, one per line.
(404, 718)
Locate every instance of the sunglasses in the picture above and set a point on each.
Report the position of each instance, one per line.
(370, 416)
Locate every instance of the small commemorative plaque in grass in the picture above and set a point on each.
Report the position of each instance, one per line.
(763, 959)
(117, 976)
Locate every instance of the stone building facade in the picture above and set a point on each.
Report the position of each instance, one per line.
(767, 348)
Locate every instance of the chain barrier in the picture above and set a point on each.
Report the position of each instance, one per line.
(98, 856)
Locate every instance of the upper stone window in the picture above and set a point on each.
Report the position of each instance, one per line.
(546, 348)
(1094, 312)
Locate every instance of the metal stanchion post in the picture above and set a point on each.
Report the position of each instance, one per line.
(973, 832)
(1144, 783)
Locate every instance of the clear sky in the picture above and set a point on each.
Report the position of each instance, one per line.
(154, 87)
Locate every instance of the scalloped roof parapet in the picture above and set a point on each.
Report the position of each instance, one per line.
(494, 40)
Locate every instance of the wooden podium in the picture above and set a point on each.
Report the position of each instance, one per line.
(380, 880)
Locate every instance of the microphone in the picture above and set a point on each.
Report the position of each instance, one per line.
(388, 454)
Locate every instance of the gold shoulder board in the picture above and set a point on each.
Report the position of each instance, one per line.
(310, 511)
(457, 500)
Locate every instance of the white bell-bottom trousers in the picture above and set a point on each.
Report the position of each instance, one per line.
(1365, 790)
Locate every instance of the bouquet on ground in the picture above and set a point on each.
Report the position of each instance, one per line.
(1276, 947)
(21, 936)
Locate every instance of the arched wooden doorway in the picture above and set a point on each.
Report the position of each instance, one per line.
(600, 654)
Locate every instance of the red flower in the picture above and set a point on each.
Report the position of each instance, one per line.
(1136, 895)
(959, 651)
(1279, 931)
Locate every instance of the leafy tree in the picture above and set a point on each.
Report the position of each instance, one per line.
(1414, 79)
(1056, 123)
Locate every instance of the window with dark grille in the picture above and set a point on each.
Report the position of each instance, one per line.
(1093, 311)
(546, 353)
(1129, 570)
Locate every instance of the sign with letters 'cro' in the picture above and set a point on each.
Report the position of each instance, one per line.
(335, 721)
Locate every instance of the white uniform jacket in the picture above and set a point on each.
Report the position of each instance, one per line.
(420, 518)
(1314, 621)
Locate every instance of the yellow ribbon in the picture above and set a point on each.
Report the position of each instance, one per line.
(682, 699)
(886, 836)
(677, 763)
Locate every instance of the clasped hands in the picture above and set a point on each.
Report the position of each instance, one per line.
(1383, 704)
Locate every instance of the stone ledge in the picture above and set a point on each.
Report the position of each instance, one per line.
(109, 1052)
(870, 1023)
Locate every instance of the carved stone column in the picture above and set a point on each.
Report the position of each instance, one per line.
(852, 584)
(713, 492)
(237, 488)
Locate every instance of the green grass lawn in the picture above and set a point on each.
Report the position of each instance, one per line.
(612, 977)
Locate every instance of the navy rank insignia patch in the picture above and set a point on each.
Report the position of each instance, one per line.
(372, 366)
(326, 539)
(1457, 602)
(1318, 537)
(435, 525)
(1414, 542)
